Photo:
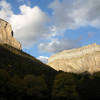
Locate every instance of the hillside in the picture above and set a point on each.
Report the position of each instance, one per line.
(23, 77)
(77, 60)
(14, 59)
(16, 63)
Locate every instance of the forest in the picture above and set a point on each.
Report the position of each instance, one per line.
(23, 77)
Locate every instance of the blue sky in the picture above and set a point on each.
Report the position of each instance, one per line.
(45, 27)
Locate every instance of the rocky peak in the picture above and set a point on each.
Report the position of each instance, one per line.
(77, 60)
(6, 35)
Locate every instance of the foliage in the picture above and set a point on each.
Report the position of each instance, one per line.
(65, 87)
(23, 77)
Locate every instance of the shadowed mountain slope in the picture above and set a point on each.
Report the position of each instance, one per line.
(13, 59)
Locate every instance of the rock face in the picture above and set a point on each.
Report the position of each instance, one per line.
(77, 60)
(6, 35)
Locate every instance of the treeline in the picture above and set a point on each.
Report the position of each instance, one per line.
(69, 86)
(65, 86)
(25, 78)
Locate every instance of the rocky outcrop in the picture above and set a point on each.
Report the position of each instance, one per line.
(6, 35)
(77, 60)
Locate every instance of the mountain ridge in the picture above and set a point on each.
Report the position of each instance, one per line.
(77, 60)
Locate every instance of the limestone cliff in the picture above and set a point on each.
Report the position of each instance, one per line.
(6, 35)
(77, 60)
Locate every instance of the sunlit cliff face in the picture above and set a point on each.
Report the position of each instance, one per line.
(6, 35)
(77, 60)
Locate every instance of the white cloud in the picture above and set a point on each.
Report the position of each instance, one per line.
(43, 59)
(29, 25)
(71, 14)
(58, 45)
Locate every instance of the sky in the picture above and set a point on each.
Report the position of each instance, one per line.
(45, 27)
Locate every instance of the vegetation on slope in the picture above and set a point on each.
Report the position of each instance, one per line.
(23, 77)
(20, 67)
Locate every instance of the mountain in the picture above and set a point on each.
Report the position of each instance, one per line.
(77, 60)
(13, 58)
(6, 35)
(21, 75)
(20, 63)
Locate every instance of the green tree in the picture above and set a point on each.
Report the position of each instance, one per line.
(36, 86)
(89, 87)
(16, 87)
(65, 87)
(4, 77)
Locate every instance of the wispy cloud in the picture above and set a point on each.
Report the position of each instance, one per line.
(57, 45)
(5, 10)
(72, 14)
(28, 2)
